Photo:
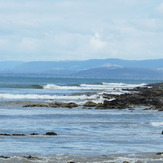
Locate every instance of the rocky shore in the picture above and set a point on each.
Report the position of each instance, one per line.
(150, 96)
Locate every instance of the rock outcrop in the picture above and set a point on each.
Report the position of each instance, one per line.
(151, 96)
(63, 105)
(54, 105)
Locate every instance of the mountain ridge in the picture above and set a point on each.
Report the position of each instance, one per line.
(98, 68)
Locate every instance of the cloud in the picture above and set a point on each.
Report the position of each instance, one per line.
(70, 29)
(97, 43)
(160, 8)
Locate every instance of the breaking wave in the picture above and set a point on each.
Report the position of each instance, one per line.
(101, 86)
(157, 124)
(94, 86)
(51, 97)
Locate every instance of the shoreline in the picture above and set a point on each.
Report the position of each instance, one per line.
(75, 158)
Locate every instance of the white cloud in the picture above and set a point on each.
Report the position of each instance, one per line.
(70, 29)
(160, 8)
(29, 44)
(3, 42)
(97, 43)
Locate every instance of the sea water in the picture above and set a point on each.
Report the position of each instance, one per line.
(79, 131)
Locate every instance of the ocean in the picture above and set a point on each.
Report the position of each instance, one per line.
(82, 134)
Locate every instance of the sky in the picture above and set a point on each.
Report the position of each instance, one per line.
(39, 30)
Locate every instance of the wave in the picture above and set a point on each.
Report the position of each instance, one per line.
(48, 97)
(30, 86)
(156, 124)
(123, 85)
(93, 86)
(54, 86)
(97, 86)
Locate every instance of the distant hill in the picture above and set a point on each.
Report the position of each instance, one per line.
(9, 65)
(46, 66)
(98, 68)
(121, 73)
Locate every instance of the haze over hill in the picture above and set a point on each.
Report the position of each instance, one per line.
(95, 68)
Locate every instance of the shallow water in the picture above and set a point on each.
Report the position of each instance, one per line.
(80, 131)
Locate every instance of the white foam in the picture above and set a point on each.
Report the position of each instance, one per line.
(157, 124)
(123, 85)
(81, 87)
(103, 86)
(53, 86)
(54, 97)
(62, 158)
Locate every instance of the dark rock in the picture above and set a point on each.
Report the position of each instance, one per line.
(36, 105)
(31, 157)
(69, 105)
(99, 105)
(4, 134)
(159, 153)
(126, 162)
(90, 104)
(160, 109)
(4, 157)
(51, 133)
(70, 162)
(18, 134)
(141, 96)
(115, 104)
(34, 134)
(63, 105)
(55, 104)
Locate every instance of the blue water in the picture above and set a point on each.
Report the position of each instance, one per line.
(80, 131)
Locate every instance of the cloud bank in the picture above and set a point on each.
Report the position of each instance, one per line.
(79, 30)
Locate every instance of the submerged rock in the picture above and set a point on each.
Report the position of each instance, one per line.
(48, 133)
(34, 134)
(4, 134)
(63, 105)
(159, 153)
(31, 157)
(4, 157)
(51, 133)
(18, 134)
(35, 105)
